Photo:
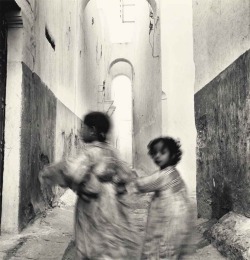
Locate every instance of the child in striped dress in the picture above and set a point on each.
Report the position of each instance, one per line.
(169, 219)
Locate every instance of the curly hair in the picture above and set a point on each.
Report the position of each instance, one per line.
(171, 144)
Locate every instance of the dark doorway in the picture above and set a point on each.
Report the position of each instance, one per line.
(3, 76)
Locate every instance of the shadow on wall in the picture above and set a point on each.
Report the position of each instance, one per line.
(48, 194)
(221, 201)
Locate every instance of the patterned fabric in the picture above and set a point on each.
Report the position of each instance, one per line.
(170, 217)
(102, 225)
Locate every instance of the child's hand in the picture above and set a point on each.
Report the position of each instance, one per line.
(133, 187)
(42, 176)
(134, 174)
(139, 173)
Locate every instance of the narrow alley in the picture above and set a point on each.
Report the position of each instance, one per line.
(177, 68)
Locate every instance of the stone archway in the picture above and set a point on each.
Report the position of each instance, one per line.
(117, 60)
(119, 66)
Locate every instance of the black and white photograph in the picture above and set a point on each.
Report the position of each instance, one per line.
(125, 129)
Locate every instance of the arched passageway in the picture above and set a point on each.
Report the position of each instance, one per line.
(138, 58)
(121, 94)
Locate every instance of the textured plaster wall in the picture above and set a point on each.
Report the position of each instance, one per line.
(37, 142)
(221, 32)
(222, 121)
(49, 132)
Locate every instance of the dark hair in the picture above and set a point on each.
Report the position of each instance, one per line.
(173, 145)
(100, 122)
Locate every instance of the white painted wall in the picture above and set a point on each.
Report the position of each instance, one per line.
(221, 35)
(119, 32)
(94, 56)
(146, 82)
(146, 85)
(178, 81)
(57, 68)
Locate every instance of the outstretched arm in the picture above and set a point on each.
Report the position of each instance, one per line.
(54, 174)
(68, 173)
(150, 183)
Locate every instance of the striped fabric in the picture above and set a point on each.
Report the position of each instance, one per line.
(170, 215)
(161, 180)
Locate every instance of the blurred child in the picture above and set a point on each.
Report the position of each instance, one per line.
(102, 228)
(169, 219)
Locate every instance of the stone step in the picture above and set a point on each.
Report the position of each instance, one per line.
(231, 236)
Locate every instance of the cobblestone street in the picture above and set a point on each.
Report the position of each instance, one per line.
(51, 237)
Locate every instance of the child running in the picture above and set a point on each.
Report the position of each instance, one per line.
(169, 219)
(102, 226)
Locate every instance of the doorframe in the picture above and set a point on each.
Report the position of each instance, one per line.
(3, 31)
(13, 110)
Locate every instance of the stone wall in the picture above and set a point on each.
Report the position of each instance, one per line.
(222, 121)
(49, 131)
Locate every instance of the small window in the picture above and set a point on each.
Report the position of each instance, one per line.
(127, 11)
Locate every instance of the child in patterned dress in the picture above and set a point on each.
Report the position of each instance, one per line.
(169, 218)
(102, 227)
